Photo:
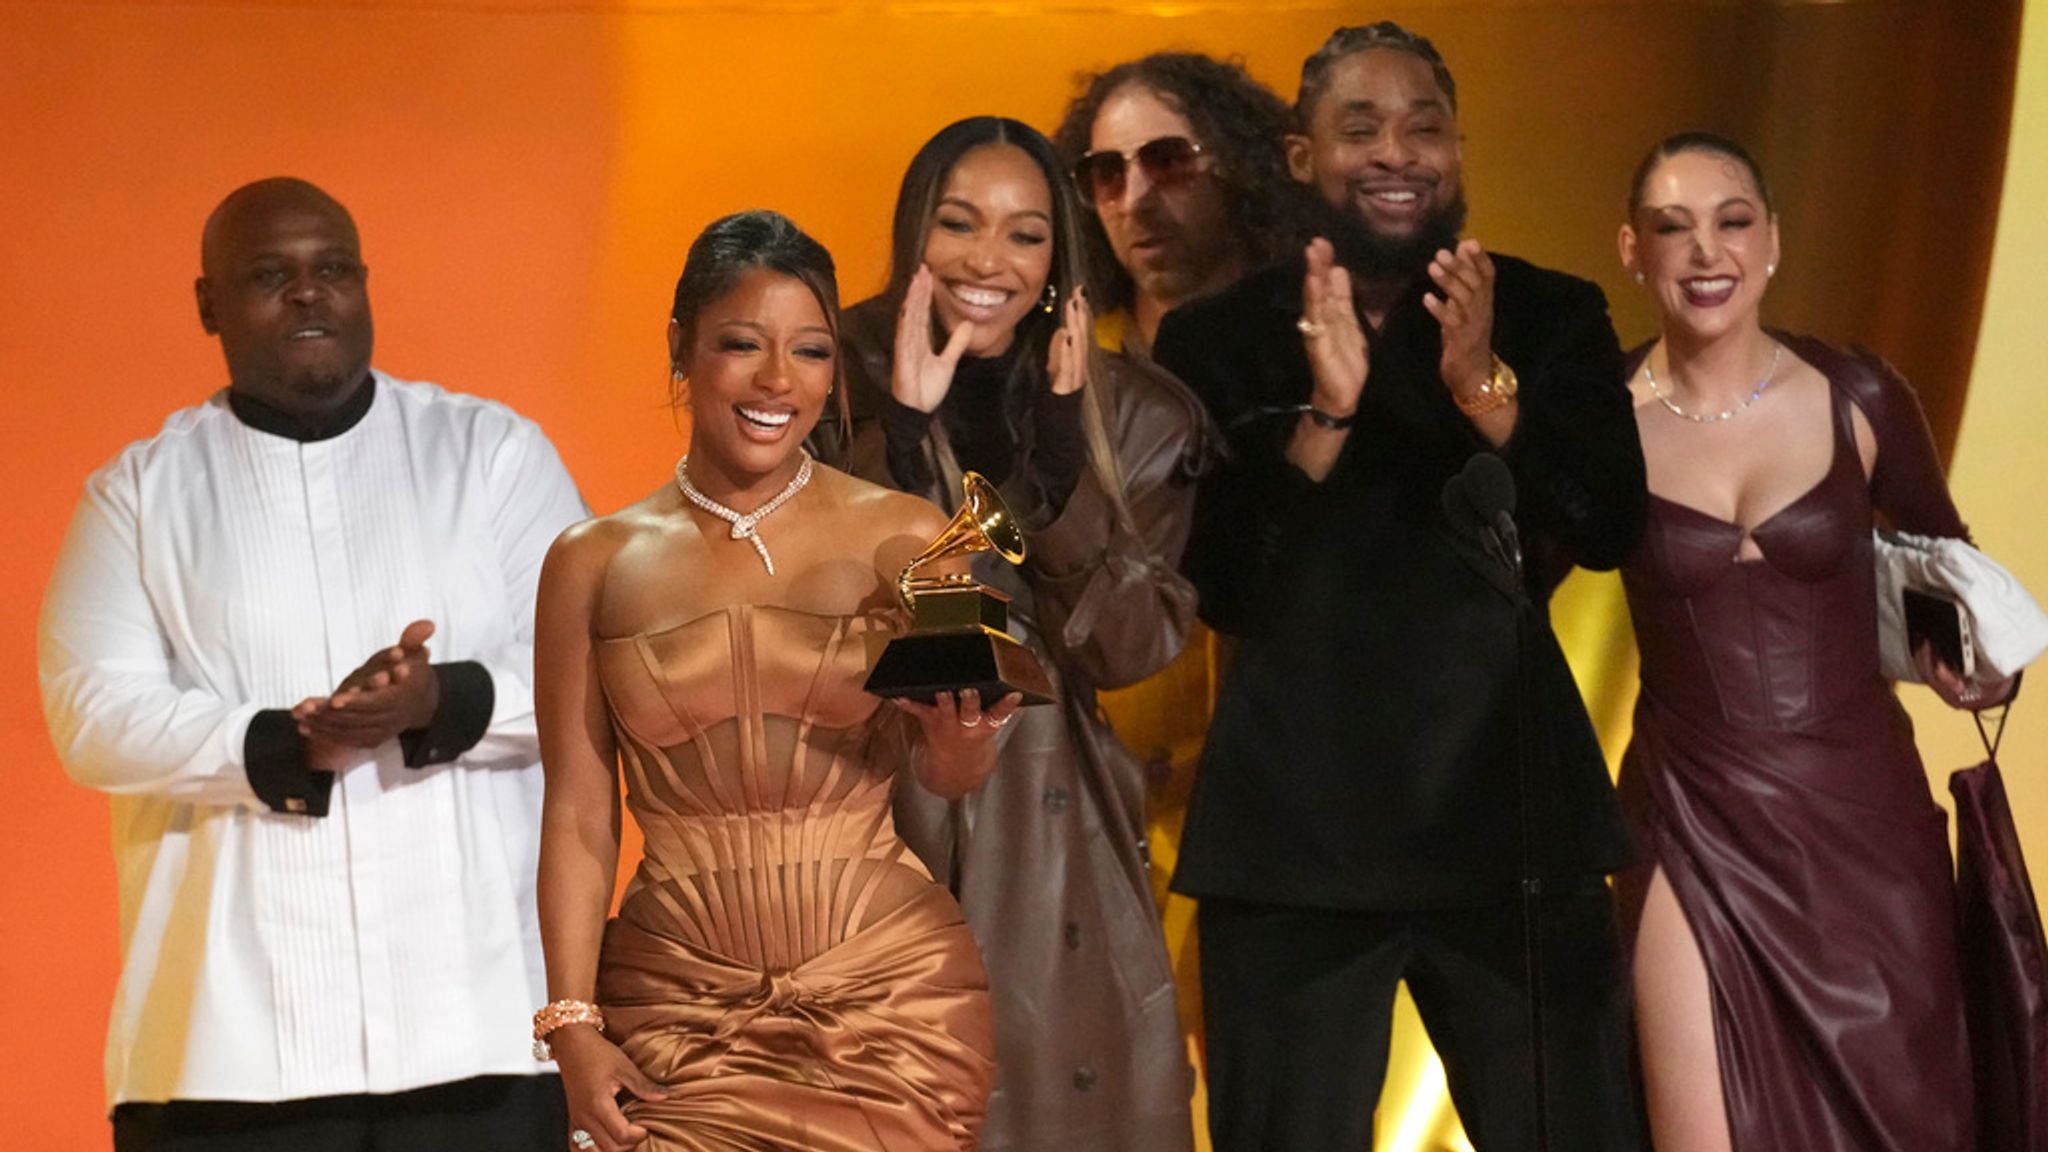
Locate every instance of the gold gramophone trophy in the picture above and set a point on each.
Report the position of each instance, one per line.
(958, 636)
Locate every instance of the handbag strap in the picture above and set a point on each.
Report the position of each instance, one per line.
(1996, 735)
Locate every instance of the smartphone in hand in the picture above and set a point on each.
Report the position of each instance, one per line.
(1937, 620)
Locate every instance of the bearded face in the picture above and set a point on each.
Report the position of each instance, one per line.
(1382, 153)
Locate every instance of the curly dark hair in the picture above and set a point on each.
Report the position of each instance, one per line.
(1241, 122)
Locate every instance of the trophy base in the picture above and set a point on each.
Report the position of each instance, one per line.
(920, 665)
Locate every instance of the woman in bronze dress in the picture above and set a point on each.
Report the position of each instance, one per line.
(1796, 959)
(782, 972)
(979, 355)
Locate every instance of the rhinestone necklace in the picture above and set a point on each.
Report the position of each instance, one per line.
(743, 527)
(1664, 398)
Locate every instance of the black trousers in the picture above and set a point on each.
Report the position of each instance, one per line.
(487, 1114)
(1298, 1011)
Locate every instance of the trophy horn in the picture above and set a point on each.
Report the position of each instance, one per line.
(982, 524)
(959, 630)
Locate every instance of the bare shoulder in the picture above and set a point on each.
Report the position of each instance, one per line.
(879, 513)
(585, 549)
(884, 528)
(1809, 379)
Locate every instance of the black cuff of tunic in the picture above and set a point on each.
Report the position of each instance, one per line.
(1061, 449)
(903, 430)
(274, 756)
(464, 714)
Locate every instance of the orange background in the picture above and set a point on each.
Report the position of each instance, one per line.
(528, 173)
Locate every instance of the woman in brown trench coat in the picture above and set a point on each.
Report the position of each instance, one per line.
(978, 355)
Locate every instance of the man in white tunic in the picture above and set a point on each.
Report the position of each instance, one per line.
(325, 836)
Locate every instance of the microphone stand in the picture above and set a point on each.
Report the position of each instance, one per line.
(1479, 502)
(1503, 538)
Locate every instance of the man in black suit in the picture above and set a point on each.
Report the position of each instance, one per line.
(1358, 816)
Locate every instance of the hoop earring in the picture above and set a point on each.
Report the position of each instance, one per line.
(1052, 298)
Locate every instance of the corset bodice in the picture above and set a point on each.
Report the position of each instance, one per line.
(759, 772)
(1766, 643)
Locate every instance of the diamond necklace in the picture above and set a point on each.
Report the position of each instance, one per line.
(1664, 398)
(743, 527)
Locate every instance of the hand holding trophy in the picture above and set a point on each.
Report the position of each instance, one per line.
(958, 636)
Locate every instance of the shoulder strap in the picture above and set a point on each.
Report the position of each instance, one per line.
(1993, 738)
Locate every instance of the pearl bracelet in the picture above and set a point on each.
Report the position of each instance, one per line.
(561, 1014)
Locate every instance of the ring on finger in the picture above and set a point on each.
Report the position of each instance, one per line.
(581, 1140)
(1308, 327)
(974, 723)
(1000, 723)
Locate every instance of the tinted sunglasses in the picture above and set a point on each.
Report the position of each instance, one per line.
(1166, 161)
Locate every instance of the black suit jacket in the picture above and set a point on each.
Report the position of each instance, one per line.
(1363, 749)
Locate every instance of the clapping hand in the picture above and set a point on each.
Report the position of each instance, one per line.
(1337, 352)
(1464, 308)
(394, 691)
(922, 377)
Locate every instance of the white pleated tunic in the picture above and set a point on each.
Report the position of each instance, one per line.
(215, 570)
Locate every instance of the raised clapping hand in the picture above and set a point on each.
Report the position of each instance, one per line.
(1066, 360)
(594, 1072)
(1464, 307)
(922, 377)
(395, 690)
(1337, 351)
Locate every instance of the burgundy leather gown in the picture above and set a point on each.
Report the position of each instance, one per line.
(1773, 777)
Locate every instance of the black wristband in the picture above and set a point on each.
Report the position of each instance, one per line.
(1323, 419)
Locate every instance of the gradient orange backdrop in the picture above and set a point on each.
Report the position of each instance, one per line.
(528, 173)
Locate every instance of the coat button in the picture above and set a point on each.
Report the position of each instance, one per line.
(1084, 1078)
(1073, 935)
(1055, 799)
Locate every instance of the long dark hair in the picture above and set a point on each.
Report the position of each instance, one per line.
(732, 246)
(917, 202)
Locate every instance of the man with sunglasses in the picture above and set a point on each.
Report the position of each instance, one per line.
(1359, 818)
(1180, 157)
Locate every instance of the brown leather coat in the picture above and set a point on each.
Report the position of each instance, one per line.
(1048, 858)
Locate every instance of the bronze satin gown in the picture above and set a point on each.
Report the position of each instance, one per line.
(781, 963)
(1773, 776)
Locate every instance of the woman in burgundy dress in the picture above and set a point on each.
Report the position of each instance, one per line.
(1796, 963)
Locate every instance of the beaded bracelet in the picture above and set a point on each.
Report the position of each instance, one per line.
(561, 1014)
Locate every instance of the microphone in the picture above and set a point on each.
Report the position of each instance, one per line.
(1492, 489)
(1480, 502)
